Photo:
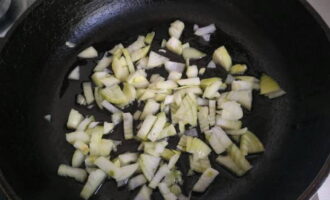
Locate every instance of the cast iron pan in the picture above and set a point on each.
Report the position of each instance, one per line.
(279, 37)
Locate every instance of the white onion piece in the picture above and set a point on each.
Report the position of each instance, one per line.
(206, 37)
(127, 158)
(90, 52)
(205, 180)
(161, 173)
(189, 81)
(174, 76)
(77, 136)
(171, 66)
(166, 193)
(162, 50)
(136, 181)
(192, 71)
(88, 92)
(75, 74)
(70, 44)
(174, 45)
(95, 179)
(148, 165)
(138, 44)
(231, 111)
(77, 158)
(111, 108)
(144, 194)
(128, 126)
(211, 65)
(108, 127)
(48, 117)
(74, 119)
(103, 63)
(176, 29)
(155, 60)
(206, 30)
(76, 173)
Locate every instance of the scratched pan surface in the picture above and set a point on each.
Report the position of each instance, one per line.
(280, 38)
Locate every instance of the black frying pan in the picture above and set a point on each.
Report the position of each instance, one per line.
(279, 37)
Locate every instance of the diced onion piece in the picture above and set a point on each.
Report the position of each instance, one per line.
(175, 189)
(206, 37)
(203, 118)
(238, 69)
(211, 90)
(173, 75)
(228, 162)
(77, 136)
(140, 53)
(108, 127)
(119, 68)
(236, 155)
(138, 79)
(242, 85)
(148, 165)
(128, 126)
(174, 45)
(138, 44)
(222, 57)
(149, 38)
(202, 71)
(111, 108)
(125, 172)
(136, 115)
(192, 53)
(198, 148)
(90, 52)
(176, 29)
(48, 117)
(218, 140)
(168, 131)
(185, 45)
(129, 62)
(192, 71)
(144, 194)
(212, 108)
(136, 181)
(189, 81)
(70, 44)
(114, 95)
(231, 111)
(102, 148)
(166, 193)
(155, 148)
(97, 77)
(174, 66)
(250, 144)
(98, 97)
(75, 74)
(127, 158)
(156, 60)
(237, 132)
(76, 173)
(151, 107)
(81, 146)
(88, 92)
(103, 63)
(205, 30)
(268, 86)
(209, 81)
(157, 127)
(229, 79)
(116, 48)
(130, 92)
(81, 100)
(174, 159)
(199, 165)
(94, 180)
(276, 94)
(205, 180)
(243, 97)
(211, 65)
(161, 173)
(107, 166)
(74, 119)
(146, 126)
(77, 158)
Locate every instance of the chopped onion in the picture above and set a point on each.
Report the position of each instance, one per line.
(75, 74)
(137, 115)
(176, 29)
(238, 158)
(146, 126)
(128, 125)
(205, 180)
(192, 71)
(114, 95)
(90, 52)
(203, 118)
(144, 194)
(205, 30)
(189, 81)
(108, 127)
(127, 158)
(77, 136)
(111, 108)
(222, 57)
(94, 180)
(237, 132)
(211, 90)
(192, 53)
(163, 44)
(140, 53)
(174, 45)
(211, 65)
(76, 173)
(138, 44)
(119, 68)
(151, 107)
(48, 117)
(136, 181)
(202, 71)
(173, 75)
(157, 127)
(197, 147)
(231, 111)
(81, 100)
(250, 144)
(166, 193)
(74, 119)
(238, 69)
(103, 63)
(70, 44)
(228, 162)
(88, 92)
(129, 62)
(161, 173)
(77, 159)
(156, 60)
(84, 124)
(212, 107)
(199, 164)
(218, 140)
(81, 146)
(148, 165)
(174, 66)
(243, 97)
(149, 38)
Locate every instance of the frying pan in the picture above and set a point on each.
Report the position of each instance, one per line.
(283, 38)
